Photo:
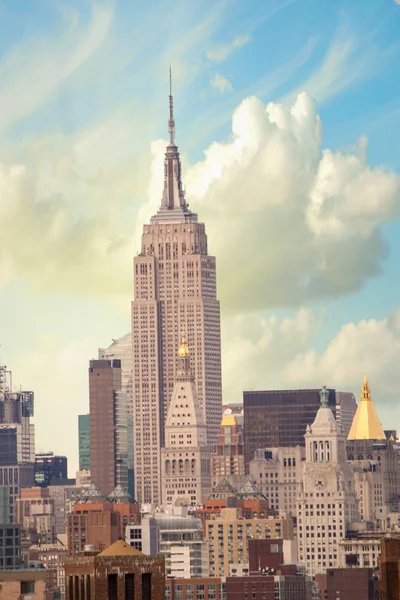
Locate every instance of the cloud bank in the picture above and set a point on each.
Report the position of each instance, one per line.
(288, 221)
(221, 83)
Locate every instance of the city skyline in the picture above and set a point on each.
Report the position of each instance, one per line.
(305, 300)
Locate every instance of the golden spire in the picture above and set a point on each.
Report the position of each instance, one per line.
(366, 424)
(183, 350)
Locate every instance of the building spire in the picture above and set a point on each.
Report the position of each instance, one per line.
(366, 424)
(171, 122)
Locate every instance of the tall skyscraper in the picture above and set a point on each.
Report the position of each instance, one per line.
(49, 468)
(275, 418)
(108, 426)
(84, 442)
(174, 292)
(121, 349)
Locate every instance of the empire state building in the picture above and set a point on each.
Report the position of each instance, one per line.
(175, 292)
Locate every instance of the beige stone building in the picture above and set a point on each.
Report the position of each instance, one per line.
(228, 537)
(185, 460)
(360, 552)
(277, 473)
(376, 463)
(174, 291)
(227, 459)
(326, 502)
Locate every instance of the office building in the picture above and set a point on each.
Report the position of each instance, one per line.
(108, 426)
(185, 460)
(121, 349)
(227, 459)
(84, 442)
(375, 461)
(36, 516)
(273, 419)
(52, 558)
(174, 292)
(228, 536)
(50, 468)
(326, 499)
(15, 478)
(277, 473)
(118, 572)
(10, 541)
(204, 588)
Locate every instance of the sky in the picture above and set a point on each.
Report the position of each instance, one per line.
(288, 122)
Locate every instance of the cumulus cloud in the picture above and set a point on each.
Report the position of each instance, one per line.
(287, 222)
(222, 52)
(308, 225)
(256, 348)
(221, 83)
(370, 346)
(52, 244)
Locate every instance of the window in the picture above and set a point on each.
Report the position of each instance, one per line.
(129, 586)
(112, 586)
(27, 587)
(146, 586)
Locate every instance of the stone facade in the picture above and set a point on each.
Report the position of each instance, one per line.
(277, 473)
(185, 460)
(174, 292)
(326, 501)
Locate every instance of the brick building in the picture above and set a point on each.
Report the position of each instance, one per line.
(205, 588)
(119, 572)
(348, 584)
(390, 569)
(25, 583)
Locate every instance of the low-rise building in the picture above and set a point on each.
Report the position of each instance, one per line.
(119, 571)
(348, 584)
(51, 557)
(23, 583)
(204, 588)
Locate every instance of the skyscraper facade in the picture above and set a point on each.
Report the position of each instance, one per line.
(174, 292)
(108, 426)
(121, 349)
(84, 442)
(49, 467)
(275, 418)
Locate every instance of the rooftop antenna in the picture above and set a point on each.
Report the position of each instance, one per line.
(171, 122)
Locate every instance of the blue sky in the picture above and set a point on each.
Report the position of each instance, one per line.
(302, 211)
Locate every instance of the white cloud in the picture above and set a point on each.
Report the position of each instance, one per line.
(370, 347)
(221, 83)
(222, 52)
(288, 224)
(256, 348)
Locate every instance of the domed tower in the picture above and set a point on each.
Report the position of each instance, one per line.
(185, 459)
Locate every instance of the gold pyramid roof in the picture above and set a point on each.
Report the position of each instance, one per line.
(183, 350)
(366, 424)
